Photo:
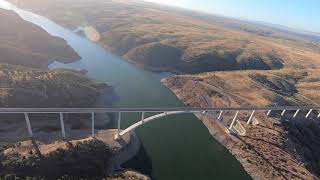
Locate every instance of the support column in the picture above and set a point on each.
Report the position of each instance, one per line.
(296, 113)
(119, 125)
(142, 117)
(220, 114)
(308, 114)
(251, 116)
(62, 126)
(26, 116)
(283, 112)
(92, 124)
(319, 115)
(234, 120)
(268, 113)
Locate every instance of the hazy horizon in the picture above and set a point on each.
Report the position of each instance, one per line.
(300, 15)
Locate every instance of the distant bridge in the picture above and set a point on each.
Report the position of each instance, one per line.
(162, 112)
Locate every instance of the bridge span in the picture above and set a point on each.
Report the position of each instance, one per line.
(160, 112)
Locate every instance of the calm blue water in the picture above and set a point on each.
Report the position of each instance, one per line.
(178, 147)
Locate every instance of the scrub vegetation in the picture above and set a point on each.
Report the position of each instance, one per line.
(85, 159)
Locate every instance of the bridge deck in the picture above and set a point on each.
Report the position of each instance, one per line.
(162, 112)
(164, 109)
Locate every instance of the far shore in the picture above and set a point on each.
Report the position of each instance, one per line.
(246, 151)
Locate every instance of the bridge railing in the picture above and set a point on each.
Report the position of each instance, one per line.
(162, 112)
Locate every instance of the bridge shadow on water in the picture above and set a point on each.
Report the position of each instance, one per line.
(141, 162)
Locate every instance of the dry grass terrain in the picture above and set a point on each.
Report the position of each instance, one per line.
(273, 148)
(88, 157)
(26, 47)
(23, 43)
(25, 52)
(161, 38)
(252, 88)
(27, 87)
(168, 39)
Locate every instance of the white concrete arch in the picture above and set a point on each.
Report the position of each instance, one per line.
(146, 120)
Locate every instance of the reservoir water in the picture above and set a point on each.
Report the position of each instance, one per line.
(175, 148)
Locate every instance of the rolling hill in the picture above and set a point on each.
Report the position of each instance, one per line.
(25, 81)
(23, 43)
(274, 147)
(167, 39)
(240, 64)
(22, 86)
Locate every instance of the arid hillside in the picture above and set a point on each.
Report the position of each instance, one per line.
(26, 87)
(21, 86)
(273, 147)
(250, 88)
(23, 43)
(233, 58)
(88, 158)
(25, 81)
(166, 39)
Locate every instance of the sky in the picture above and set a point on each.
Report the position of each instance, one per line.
(299, 14)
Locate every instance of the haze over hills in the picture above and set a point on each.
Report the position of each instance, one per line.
(25, 44)
(189, 42)
(263, 64)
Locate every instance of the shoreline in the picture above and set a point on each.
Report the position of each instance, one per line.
(209, 128)
(128, 146)
(241, 149)
(218, 132)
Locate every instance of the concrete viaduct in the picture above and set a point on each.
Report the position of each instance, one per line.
(159, 113)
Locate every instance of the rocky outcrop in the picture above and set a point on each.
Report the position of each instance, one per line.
(96, 157)
(129, 174)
